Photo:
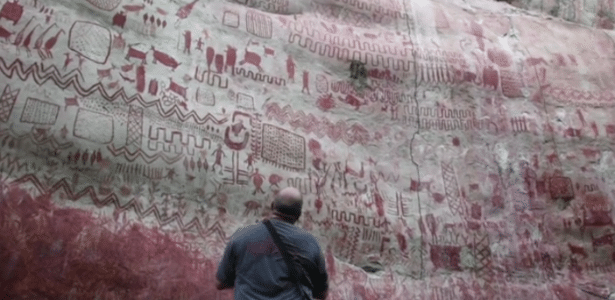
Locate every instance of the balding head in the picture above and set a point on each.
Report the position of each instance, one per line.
(287, 204)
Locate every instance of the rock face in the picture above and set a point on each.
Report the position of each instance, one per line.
(457, 150)
(597, 14)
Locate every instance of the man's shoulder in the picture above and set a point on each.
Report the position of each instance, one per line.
(307, 239)
(306, 234)
(247, 231)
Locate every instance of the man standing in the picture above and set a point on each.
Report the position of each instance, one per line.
(254, 266)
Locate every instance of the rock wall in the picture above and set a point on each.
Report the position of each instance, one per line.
(457, 150)
(597, 14)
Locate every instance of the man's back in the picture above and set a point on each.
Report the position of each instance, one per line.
(257, 269)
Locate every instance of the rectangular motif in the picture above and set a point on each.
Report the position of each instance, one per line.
(561, 188)
(7, 101)
(283, 148)
(134, 134)
(93, 126)
(230, 19)
(39, 112)
(245, 101)
(258, 24)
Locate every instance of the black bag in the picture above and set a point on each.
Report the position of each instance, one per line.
(287, 257)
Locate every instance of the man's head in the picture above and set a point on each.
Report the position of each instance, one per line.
(287, 204)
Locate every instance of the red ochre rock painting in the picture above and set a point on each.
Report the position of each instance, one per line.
(467, 165)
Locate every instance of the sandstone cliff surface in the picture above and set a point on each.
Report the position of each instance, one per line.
(446, 149)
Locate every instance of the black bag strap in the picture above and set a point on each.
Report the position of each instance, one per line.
(287, 257)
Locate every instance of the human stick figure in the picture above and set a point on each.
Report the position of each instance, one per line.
(306, 82)
(219, 154)
(257, 179)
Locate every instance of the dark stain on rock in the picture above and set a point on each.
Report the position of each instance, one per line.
(48, 252)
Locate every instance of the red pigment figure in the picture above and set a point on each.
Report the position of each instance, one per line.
(127, 68)
(290, 68)
(178, 89)
(250, 161)
(49, 45)
(219, 154)
(351, 100)
(133, 8)
(532, 61)
(186, 163)
(28, 39)
(81, 60)
(140, 78)
(219, 61)
(187, 41)
(70, 102)
(251, 206)
(4, 33)
(490, 77)
(306, 82)
(205, 164)
(274, 179)
(210, 53)
(20, 34)
(165, 59)
(252, 58)
(132, 52)
(579, 250)
(119, 19)
(231, 58)
(105, 73)
(192, 163)
(67, 61)
(325, 102)
(11, 11)
(39, 41)
(76, 156)
(184, 11)
(153, 87)
(595, 129)
(85, 156)
(269, 51)
(199, 45)
(257, 180)
(477, 31)
(93, 158)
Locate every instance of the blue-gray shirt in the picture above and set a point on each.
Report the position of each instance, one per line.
(254, 266)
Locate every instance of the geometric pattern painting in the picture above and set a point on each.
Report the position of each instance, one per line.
(283, 148)
(135, 127)
(7, 101)
(39, 112)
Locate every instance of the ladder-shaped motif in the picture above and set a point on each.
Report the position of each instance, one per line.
(451, 189)
(134, 135)
(7, 101)
(482, 256)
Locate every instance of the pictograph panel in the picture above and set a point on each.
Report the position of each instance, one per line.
(283, 148)
(90, 40)
(93, 126)
(135, 127)
(7, 102)
(258, 24)
(39, 112)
